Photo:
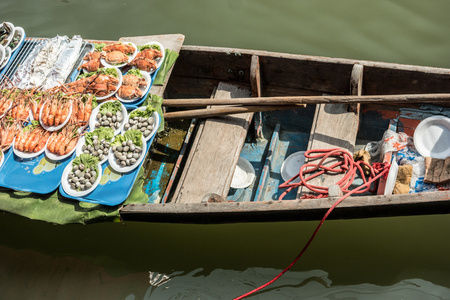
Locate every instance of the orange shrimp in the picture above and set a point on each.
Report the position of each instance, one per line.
(45, 111)
(52, 112)
(88, 109)
(54, 142)
(20, 140)
(64, 113)
(80, 115)
(42, 141)
(61, 147)
(72, 143)
(34, 140)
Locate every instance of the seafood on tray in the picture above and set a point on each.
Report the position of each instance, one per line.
(20, 109)
(6, 100)
(109, 114)
(92, 63)
(82, 175)
(149, 57)
(63, 141)
(125, 48)
(9, 128)
(6, 33)
(56, 110)
(118, 54)
(134, 85)
(102, 83)
(32, 138)
(82, 107)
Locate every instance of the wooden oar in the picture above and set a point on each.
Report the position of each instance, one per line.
(222, 111)
(297, 100)
(255, 104)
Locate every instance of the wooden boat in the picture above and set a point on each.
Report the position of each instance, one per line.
(198, 164)
(262, 107)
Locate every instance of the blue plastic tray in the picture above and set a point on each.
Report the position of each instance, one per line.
(113, 188)
(38, 175)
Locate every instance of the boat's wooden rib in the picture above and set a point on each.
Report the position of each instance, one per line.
(215, 153)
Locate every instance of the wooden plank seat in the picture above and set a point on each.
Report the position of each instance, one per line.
(335, 126)
(215, 151)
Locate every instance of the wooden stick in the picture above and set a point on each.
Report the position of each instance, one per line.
(296, 100)
(221, 111)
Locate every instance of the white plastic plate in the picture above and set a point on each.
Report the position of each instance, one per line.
(392, 177)
(66, 186)
(155, 117)
(432, 137)
(291, 166)
(144, 90)
(119, 76)
(118, 168)
(6, 58)
(93, 119)
(2, 53)
(80, 145)
(130, 58)
(244, 174)
(2, 158)
(55, 157)
(54, 128)
(160, 60)
(26, 155)
(21, 31)
(10, 36)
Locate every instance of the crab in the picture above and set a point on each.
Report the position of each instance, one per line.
(129, 92)
(124, 48)
(114, 57)
(102, 89)
(92, 62)
(133, 80)
(143, 64)
(150, 54)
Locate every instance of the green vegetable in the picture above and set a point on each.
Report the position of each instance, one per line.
(103, 133)
(111, 106)
(99, 46)
(152, 46)
(155, 102)
(133, 135)
(136, 72)
(87, 160)
(31, 126)
(169, 59)
(107, 71)
(147, 113)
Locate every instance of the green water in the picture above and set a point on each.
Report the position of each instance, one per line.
(388, 258)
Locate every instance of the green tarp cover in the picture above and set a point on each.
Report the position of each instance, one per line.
(56, 209)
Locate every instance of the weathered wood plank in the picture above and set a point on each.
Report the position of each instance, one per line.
(255, 77)
(213, 158)
(169, 41)
(318, 74)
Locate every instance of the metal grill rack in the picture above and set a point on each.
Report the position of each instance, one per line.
(28, 46)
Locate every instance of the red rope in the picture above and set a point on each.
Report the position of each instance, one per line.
(347, 165)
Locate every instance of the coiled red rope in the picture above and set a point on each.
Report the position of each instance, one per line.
(345, 165)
